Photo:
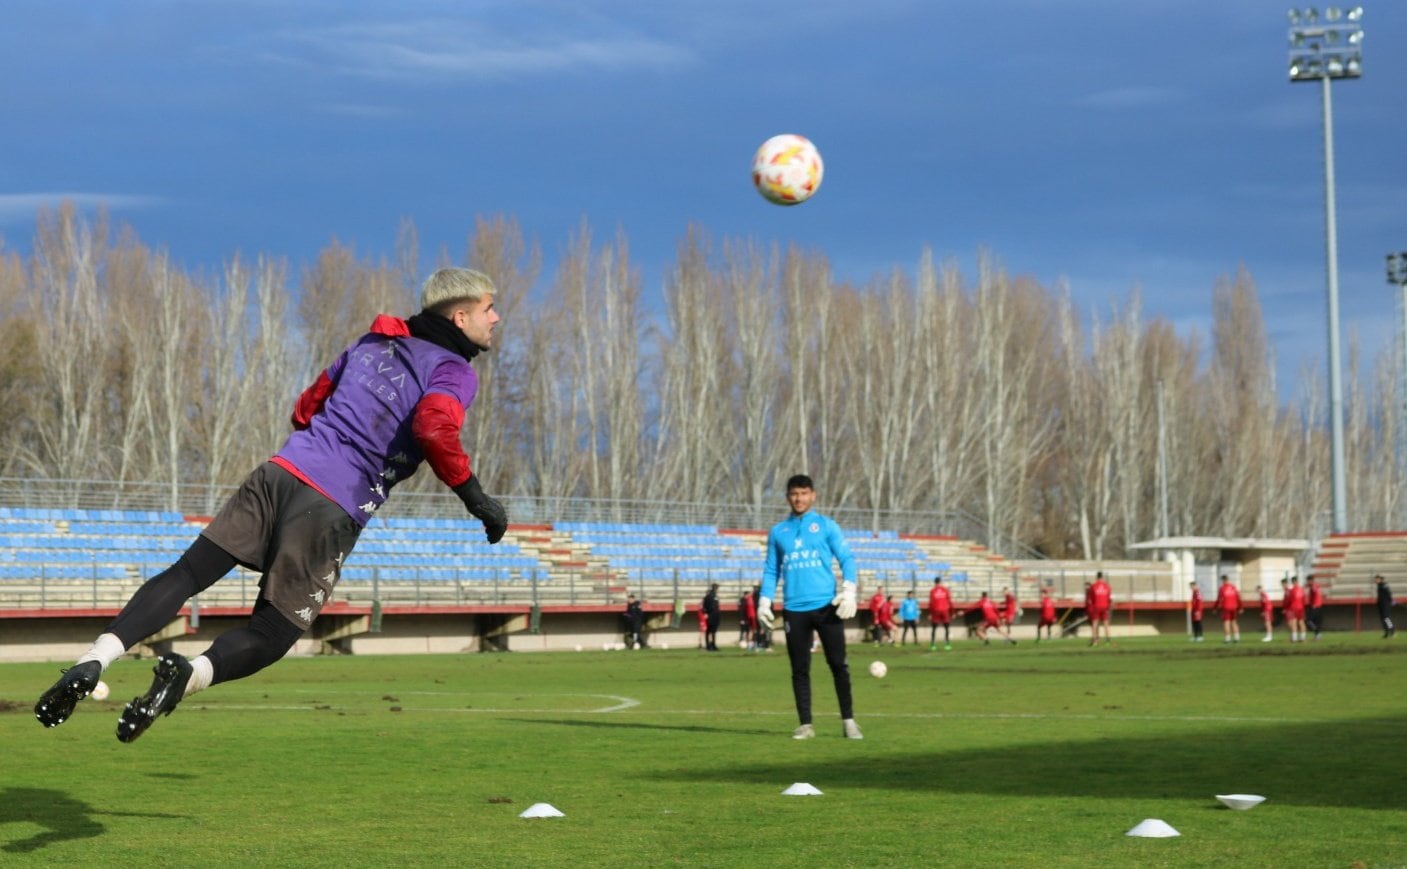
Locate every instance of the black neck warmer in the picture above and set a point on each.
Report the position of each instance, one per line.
(429, 326)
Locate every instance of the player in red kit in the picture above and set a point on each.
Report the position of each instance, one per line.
(876, 608)
(886, 619)
(1101, 599)
(1267, 614)
(1228, 603)
(1010, 608)
(1194, 612)
(940, 612)
(1047, 618)
(991, 618)
(1294, 610)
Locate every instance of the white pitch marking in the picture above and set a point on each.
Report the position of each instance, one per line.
(629, 703)
(621, 703)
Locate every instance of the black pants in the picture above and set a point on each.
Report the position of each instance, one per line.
(1313, 619)
(828, 626)
(1197, 628)
(236, 653)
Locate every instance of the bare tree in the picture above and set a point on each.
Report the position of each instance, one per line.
(340, 295)
(498, 249)
(690, 458)
(997, 398)
(69, 315)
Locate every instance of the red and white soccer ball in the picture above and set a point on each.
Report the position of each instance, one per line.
(787, 169)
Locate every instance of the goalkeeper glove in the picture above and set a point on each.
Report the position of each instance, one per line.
(845, 601)
(764, 613)
(483, 508)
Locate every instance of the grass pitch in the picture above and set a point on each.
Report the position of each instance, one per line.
(1034, 755)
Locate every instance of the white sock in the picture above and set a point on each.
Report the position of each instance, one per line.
(105, 649)
(202, 672)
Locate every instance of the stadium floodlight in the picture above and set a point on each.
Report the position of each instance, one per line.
(1333, 46)
(1324, 51)
(1397, 276)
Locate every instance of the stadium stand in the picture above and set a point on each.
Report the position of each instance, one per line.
(1346, 563)
(97, 558)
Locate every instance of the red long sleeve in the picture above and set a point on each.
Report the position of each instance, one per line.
(311, 401)
(436, 425)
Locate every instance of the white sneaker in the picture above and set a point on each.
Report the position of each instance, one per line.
(805, 731)
(852, 730)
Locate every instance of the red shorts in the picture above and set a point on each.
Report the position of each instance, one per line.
(1228, 616)
(1096, 613)
(1294, 613)
(941, 618)
(993, 623)
(1045, 622)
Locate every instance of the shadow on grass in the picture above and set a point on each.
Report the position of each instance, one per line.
(636, 725)
(62, 817)
(1350, 763)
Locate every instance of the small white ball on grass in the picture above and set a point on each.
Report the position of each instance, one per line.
(100, 691)
(877, 669)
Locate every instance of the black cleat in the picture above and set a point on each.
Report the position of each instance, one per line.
(77, 682)
(172, 671)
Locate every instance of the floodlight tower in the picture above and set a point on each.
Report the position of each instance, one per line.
(1397, 275)
(1323, 48)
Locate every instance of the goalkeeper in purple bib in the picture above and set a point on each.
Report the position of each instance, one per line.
(394, 399)
(800, 550)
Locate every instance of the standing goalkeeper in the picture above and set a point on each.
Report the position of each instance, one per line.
(800, 549)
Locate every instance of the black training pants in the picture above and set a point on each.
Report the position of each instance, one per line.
(799, 628)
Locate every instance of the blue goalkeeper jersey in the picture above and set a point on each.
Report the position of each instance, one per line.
(800, 550)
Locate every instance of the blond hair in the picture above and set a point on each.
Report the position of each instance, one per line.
(446, 287)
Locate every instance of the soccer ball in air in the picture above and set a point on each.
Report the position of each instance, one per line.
(877, 669)
(100, 691)
(787, 169)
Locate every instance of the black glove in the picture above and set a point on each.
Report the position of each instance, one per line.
(483, 508)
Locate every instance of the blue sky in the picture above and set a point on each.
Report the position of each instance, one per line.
(1111, 145)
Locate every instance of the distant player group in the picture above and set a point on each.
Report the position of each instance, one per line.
(983, 616)
(1301, 608)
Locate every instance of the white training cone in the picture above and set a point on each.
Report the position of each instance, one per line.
(1153, 828)
(802, 789)
(1240, 802)
(541, 810)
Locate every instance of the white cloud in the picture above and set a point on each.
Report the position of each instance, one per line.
(22, 207)
(434, 48)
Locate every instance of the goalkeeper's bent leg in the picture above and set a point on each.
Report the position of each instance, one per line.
(160, 598)
(245, 651)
